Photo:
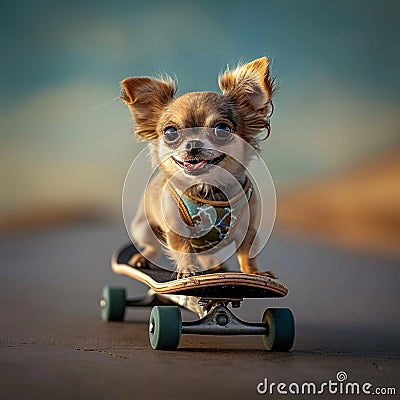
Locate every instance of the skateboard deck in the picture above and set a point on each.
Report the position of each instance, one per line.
(206, 294)
(220, 285)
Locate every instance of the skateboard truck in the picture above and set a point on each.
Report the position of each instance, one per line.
(166, 326)
(221, 321)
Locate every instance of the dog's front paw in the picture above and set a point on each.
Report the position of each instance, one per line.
(269, 274)
(139, 261)
(254, 271)
(188, 271)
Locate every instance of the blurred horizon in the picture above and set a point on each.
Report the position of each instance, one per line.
(65, 136)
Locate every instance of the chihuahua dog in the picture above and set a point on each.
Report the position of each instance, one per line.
(201, 198)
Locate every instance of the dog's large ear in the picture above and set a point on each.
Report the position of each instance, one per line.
(250, 85)
(146, 98)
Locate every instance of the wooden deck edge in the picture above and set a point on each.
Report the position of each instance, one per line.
(208, 280)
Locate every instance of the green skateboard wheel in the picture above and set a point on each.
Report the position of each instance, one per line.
(165, 327)
(112, 303)
(281, 327)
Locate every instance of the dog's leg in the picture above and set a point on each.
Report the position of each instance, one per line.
(249, 265)
(180, 250)
(144, 236)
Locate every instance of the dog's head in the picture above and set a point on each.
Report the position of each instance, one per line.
(197, 131)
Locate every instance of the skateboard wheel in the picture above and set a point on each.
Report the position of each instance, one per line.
(165, 327)
(112, 304)
(281, 327)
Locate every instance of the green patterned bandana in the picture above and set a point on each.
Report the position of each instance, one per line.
(216, 218)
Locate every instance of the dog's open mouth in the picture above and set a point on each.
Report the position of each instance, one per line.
(197, 165)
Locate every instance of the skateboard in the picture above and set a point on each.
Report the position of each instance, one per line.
(208, 295)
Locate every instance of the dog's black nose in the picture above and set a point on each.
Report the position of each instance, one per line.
(194, 145)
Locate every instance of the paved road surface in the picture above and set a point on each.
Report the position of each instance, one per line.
(54, 346)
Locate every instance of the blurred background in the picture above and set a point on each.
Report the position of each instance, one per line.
(66, 145)
(334, 152)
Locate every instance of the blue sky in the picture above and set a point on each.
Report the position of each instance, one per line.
(336, 63)
(52, 42)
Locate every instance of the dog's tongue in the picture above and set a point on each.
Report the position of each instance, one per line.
(192, 167)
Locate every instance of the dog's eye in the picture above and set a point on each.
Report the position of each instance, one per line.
(222, 131)
(170, 134)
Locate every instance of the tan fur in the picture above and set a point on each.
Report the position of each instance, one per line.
(251, 88)
(244, 106)
(146, 98)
